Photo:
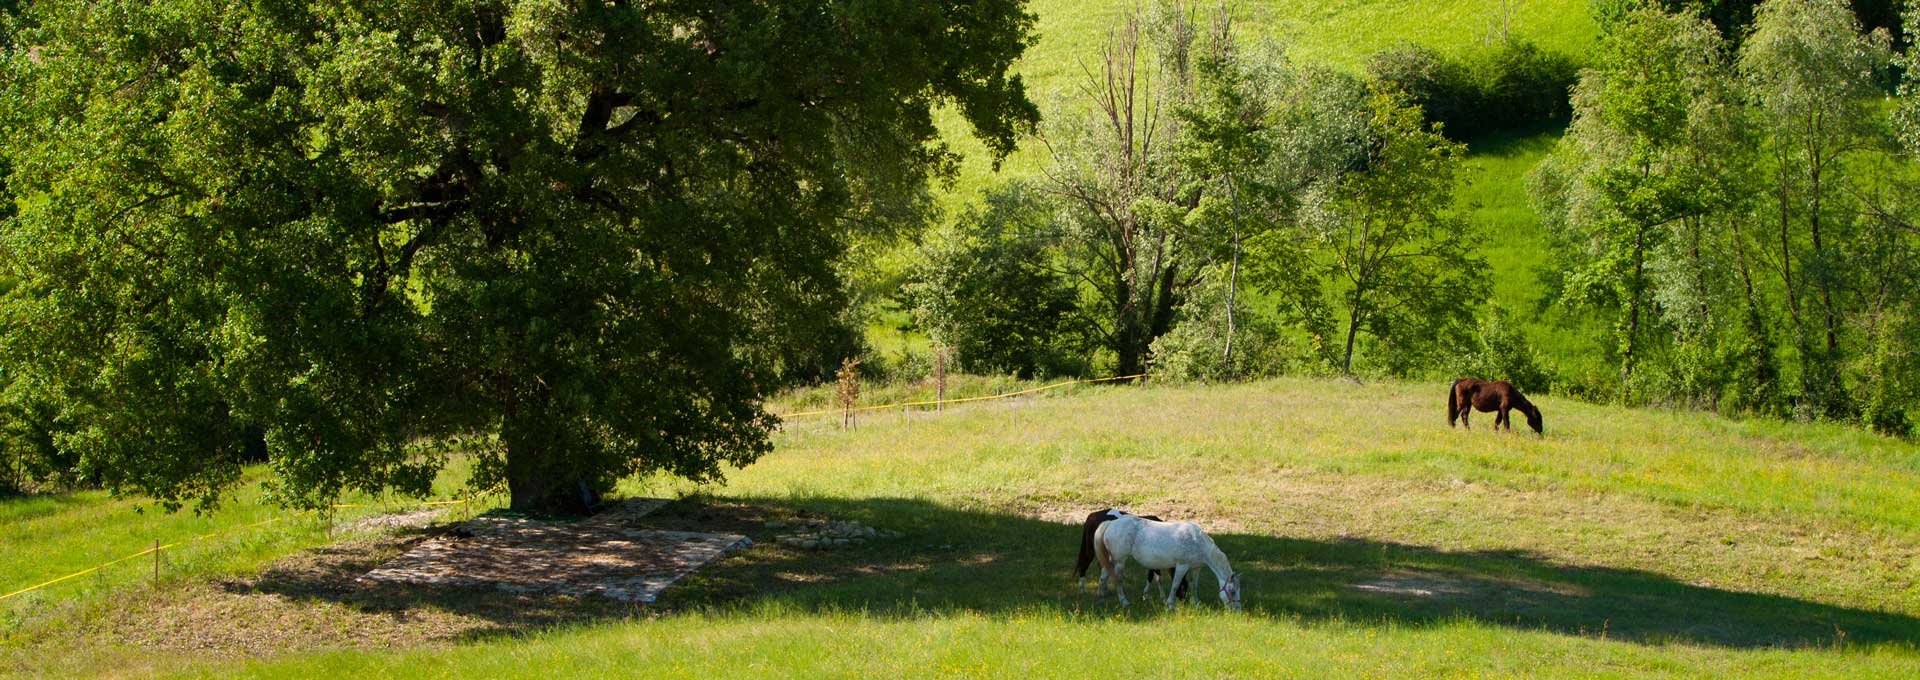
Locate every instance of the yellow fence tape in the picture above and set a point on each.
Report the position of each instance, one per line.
(1042, 388)
(201, 537)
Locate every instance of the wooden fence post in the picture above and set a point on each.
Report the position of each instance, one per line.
(939, 375)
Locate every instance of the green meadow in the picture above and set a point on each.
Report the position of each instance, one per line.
(1373, 541)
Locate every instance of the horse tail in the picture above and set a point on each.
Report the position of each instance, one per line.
(1086, 543)
(1453, 406)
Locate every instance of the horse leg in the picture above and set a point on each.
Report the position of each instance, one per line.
(1105, 558)
(1179, 574)
(1119, 581)
(1466, 415)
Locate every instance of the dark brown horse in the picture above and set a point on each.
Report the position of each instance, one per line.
(1469, 393)
(1094, 521)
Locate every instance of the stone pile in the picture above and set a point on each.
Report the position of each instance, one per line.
(817, 534)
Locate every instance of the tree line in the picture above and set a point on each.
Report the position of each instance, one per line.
(1728, 208)
(1741, 214)
(1202, 170)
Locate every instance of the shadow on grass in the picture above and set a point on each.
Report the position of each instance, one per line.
(956, 559)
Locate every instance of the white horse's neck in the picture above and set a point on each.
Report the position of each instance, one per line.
(1217, 561)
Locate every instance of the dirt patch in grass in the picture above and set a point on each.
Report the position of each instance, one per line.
(316, 599)
(1444, 586)
(405, 519)
(605, 555)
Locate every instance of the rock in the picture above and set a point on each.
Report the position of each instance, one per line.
(870, 532)
(810, 543)
(840, 541)
(776, 524)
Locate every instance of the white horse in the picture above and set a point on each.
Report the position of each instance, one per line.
(1180, 546)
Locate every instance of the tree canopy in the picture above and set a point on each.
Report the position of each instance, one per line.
(565, 231)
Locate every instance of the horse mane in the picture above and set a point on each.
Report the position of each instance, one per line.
(1217, 560)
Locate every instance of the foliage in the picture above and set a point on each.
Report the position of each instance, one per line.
(1734, 18)
(1634, 184)
(1113, 170)
(1500, 352)
(1400, 254)
(1513, 85)
(991, 290)
(1195, 350)
(846, 393)
(367, 225)
(1742, 219)
(1813, 74)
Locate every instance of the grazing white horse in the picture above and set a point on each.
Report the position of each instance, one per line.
(1180, 546)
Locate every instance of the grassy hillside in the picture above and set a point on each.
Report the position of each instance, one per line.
(1337, 33)
(1373, 542)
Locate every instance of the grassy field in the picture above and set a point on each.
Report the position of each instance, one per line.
(50, 536)
(1373, 542)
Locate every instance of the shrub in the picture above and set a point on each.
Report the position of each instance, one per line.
(1500, 352)
(1514, 85)
(1194, 349)
(986, 289)
(1441, 86)
(1521, 85)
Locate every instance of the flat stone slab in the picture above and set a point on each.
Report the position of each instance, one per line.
(596, 556)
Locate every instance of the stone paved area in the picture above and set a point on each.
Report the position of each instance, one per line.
(601, 555)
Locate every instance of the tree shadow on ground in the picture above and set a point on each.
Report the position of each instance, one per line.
(955, 559)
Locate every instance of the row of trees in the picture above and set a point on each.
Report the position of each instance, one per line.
(1738, 219)
(1743, 215)
(1201, 168)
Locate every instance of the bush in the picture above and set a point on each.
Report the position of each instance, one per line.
(1889, 392)
(1500, 352)
(1515, 85)
(985, 288)
(1439, 85)
(1521, 85)
(1194, 349)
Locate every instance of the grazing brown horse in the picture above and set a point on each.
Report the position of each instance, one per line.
(1093, 522)
(1469, 393)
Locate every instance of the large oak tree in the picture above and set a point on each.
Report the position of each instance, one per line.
(569, 231)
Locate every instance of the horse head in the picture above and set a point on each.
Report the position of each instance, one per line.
(1535, 421)
(1230, 593)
